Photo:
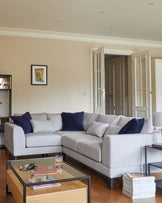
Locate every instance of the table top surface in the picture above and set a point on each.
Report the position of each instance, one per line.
(154, 147)
(45, 167)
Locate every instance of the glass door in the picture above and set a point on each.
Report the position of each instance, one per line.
(99, 81)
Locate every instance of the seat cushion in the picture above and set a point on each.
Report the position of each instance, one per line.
(71, 140)
(63, 133)
(90, 148)
(42, 139)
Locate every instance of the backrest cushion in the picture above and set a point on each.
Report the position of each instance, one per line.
(147, 127)
(56, 119)
(88, 119)
(23, 121)
(72, 121)
(42, 126)
(124, 120)
(39, 116)
(112, 130)
(110, 119)
(133, 126)
(97, 128)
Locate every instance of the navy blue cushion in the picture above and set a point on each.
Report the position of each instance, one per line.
(133, 126)
(72, 121)
(23, 121)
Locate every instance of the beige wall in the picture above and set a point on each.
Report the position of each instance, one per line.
(68, 86)
(69, 77)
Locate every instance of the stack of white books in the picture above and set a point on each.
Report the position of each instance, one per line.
(137, 185)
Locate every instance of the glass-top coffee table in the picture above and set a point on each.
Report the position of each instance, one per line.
(71, 188)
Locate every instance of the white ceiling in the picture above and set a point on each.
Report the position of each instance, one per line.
(135, 19)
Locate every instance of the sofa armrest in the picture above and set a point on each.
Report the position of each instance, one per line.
(14, 136)
(126, 150)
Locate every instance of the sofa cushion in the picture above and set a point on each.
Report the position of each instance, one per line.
(147, 127)
(72, 121)
(39, 116)
(56, 119)
(112, 130)
(88, 119)
(71, 140)
(42, 126)
(23, 121)
(90, 148)
(133, 126)
(42, 139)
(110, 119)
(63, 133)
(97, 128)
(124, 120)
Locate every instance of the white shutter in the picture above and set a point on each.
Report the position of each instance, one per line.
(99, 81)
(141, 85)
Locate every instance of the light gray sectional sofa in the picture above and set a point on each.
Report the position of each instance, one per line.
(101, 148)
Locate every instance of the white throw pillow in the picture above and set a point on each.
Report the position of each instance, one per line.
(112, 130)
(42, 126)
(97, 128)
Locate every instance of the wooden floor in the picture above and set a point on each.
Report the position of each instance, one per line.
(100, 192)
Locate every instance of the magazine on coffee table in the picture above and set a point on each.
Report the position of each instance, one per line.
(43, 179)
(45, 169)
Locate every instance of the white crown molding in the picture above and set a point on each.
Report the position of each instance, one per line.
(7, 31)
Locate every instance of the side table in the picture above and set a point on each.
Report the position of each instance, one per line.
(154, 164)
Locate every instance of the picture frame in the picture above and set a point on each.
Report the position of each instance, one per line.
(38, 74)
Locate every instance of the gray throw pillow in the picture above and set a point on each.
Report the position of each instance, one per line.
(42, 126)
(97, 128)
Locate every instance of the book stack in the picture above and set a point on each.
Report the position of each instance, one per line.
(45, 169)
(137, 185)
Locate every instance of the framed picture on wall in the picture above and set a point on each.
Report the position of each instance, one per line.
(39, 74)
